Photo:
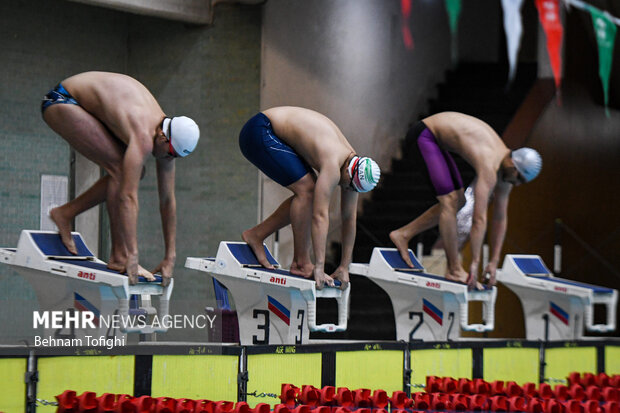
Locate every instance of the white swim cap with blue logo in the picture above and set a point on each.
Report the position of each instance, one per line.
(183, 134)
(364, 173)
(528, 162)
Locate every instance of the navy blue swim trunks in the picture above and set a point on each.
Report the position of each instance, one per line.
(57, 95)
(267, 152)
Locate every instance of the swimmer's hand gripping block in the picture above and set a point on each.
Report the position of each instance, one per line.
(42, 254)
(236, 259)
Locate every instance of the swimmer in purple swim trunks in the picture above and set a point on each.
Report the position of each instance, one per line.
(497, 169)
(289, 144)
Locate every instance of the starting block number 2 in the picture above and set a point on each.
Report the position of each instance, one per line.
(265, 325)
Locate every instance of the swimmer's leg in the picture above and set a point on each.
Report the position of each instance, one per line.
(87, 135)
(401, 236)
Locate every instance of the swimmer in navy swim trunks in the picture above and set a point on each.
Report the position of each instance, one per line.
(114, 121)
(497, 169)
(288, 144)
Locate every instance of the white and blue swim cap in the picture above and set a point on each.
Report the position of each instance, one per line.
(528, 162)
(183, 134)
(364, 173)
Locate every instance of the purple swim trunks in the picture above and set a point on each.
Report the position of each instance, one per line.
(440, 165)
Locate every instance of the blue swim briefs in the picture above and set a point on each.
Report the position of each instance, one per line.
(57, 95)
(267, 152)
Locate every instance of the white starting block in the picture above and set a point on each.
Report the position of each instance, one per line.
(555, 308)
(425, 306)
(273, 306)
(74, 283)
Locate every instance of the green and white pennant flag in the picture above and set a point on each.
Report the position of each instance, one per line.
(605, 31)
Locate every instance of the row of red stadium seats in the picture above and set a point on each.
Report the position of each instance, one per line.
(89, 402)
(589, 379)
(575, 389)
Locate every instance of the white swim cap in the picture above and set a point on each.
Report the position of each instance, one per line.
(364, 173)
(183, 134)
(528, 162)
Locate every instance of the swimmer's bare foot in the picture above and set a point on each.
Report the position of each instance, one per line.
(257, 247)
(302, 270)
(64, 229)
(402, 245)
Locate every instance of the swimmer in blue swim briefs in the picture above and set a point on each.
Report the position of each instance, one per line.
(114, 121)
(289, 144)
(497, 170)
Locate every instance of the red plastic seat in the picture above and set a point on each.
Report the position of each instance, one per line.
(591, 406)
(460, 402)
(610, 394)
(328, 396)
(614, 381)
(498, 403)
(223, 406)
(319, 409)
(421, 401)
(106, 403)
(554, 406)
(185, 406)
(481, 387)
(379, 399)
(588, 379)
(440, 401)
(535, 405)
(478, 402)
(204, 406)
(398, 400)
(610, 407)
(593, 392)
(573, 406)
(529, 390)
(361, 398)
(67, 402)
(341, 409)
(465, 386)
(242, 407)
(602, 380)
(265, 408)
(309, 395)
(302, 408)
(142, 404)
(449, 385)
(164, 405)
(125, 404)
(434, 384)
(512, 389)
(364, 410)
(281, 408)
(288, 394)
(497, 388)
(544, 391)
(574, 378)
(344, 397)
(576, 392)
(517, 404)
(561, 392)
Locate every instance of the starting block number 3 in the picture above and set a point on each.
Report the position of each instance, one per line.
(265, 326)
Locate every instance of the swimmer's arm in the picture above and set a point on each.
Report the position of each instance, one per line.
(167, 206)
(133, 161)
(348, 213)
(482, 189)
(323, 189)
(499, 221)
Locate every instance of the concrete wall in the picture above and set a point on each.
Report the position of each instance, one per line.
(210, 73)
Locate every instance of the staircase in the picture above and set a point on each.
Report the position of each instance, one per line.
(477, 89)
